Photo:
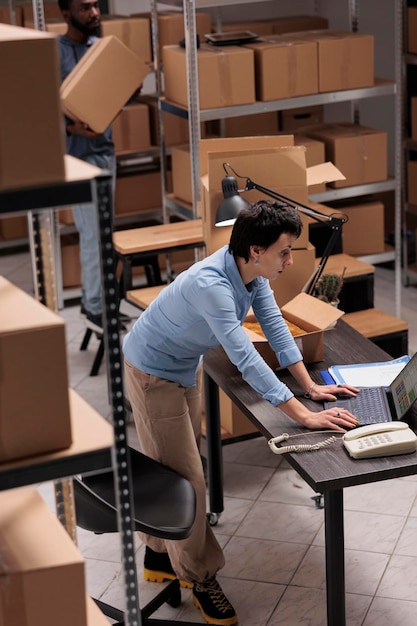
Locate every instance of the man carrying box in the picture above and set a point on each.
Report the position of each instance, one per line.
(83, 29)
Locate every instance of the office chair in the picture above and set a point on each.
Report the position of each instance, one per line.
(164, 506)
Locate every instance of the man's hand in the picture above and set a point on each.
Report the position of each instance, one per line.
(79, 128)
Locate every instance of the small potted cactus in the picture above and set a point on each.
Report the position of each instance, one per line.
(328, 287)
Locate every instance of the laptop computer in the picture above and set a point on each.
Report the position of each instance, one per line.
(379, 404)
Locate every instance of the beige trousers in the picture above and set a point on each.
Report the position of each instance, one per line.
(168, 422)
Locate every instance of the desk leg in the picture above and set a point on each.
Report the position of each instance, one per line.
(335, 558)
(214, 445)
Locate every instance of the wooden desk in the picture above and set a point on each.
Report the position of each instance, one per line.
(138, 243)
(342, 345)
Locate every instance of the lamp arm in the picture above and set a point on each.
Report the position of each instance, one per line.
(335, 224)
(317, 215)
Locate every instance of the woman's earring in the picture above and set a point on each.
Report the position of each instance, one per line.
(256, 261)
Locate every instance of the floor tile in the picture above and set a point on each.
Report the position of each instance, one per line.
(271, 531)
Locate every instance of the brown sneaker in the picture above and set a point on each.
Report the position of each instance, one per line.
(213, 604)
(157, 568)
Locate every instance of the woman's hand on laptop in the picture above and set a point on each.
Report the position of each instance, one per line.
(319, 393)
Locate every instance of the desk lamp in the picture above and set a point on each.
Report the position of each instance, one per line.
(233, 203)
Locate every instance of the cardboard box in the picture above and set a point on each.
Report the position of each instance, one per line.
(42, 580)
(175, 128)
(285, 67)
(315, 155)
(412, 182)
(131, 129)
(140, 192)
(6, 17)
(345, 59)
(134, 32)
(296, 119)
(226, 76)
(181, 159)
(14, 227)
(52, 25)
(30, 111)
(281, 169)
(294, 23)
(51, 10)
(245, 125)
(363, 233)
(412, 29)
(101, 83)
(357, 151)
(171, 27)
(34, 402)
(310, 314)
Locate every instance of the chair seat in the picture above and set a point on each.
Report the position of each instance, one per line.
(163, 501)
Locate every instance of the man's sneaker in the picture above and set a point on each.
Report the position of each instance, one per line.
(83, 312)
(213, 604)
(157, 568)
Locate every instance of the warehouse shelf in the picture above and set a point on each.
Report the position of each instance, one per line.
(195, 115)
(381, 88)
(83, 183)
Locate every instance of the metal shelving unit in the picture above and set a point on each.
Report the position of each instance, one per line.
(382, 88)
(36, 200)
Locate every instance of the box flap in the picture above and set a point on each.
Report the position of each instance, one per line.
(323, 173)
(310, 312)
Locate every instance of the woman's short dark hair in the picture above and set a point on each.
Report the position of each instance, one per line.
(261, 225)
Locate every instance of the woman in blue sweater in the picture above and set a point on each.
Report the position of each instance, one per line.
(202, 308)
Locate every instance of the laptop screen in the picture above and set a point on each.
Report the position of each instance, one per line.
(404, 387)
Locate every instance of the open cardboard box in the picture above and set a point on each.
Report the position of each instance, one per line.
(313, 316)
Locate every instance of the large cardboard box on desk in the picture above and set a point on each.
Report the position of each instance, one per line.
(34, 401)
(101, 83)
(32, 139)
(226, 76)
(311, 317)
(42, 575)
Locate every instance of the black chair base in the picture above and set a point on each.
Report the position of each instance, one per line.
(170, 594)
(98, 359)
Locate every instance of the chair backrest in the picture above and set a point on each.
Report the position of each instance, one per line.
(164, 502)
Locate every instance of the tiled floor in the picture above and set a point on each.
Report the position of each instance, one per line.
(271, 529)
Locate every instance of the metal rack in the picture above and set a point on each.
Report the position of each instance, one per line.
(382, 88)
(410, 146)
(37, 200)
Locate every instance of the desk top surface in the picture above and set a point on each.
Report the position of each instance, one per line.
(330, 468)
(160, 237)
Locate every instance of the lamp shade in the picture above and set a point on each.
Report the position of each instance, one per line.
(232, 203)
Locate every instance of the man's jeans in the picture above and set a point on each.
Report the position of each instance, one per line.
(85, 217)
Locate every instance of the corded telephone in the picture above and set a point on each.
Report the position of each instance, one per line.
(376, 440)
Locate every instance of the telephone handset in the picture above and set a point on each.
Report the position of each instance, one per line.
(376, 440)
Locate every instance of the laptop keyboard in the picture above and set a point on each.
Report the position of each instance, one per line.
(370, 406)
